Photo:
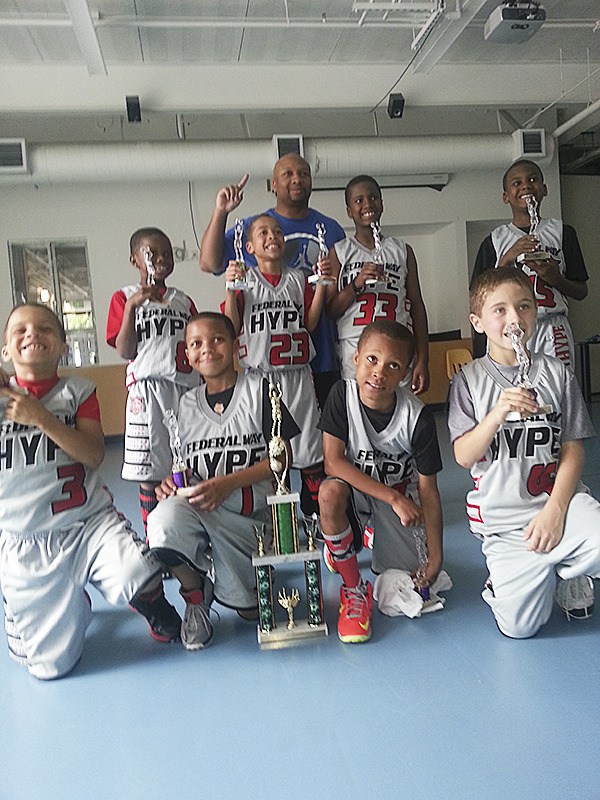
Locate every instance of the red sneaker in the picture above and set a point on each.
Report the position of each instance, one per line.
(354, 623)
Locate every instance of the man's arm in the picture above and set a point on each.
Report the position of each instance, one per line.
(211, 248)
(546, 529)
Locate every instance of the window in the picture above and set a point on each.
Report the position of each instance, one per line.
(56, 274)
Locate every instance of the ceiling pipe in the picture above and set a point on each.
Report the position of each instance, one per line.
(570, 123)
(224, 161)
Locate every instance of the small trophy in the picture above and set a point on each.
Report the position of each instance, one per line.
(420, 581)
(178, 470)
(150, 269)
(534, 221)
(377, 257)
(516, 335)
(323, 251)
(240, 283)
(283, 508)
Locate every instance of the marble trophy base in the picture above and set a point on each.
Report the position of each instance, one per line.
(531, 258)
(280, 636)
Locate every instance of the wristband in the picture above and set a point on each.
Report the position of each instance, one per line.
(357, 291)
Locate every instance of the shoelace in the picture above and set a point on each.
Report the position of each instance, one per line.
(356, 600)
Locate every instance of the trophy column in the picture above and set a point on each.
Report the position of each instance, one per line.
(286, 552)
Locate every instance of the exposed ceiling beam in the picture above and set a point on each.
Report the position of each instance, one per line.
(449, 28)
(85, 33)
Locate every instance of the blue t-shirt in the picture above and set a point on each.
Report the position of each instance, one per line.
(301, 252)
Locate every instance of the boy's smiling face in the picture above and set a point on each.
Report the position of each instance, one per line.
(210, 350)
(33, 342)
(508, 303)
(161, 253)
(265, 239)
(365, 204)
(522, 180)
(381, 363)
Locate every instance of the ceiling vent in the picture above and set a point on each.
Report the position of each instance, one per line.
(529, 143)
(13, 157)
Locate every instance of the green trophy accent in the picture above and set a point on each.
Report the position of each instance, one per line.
(264, 585)
(285, 527)
(314, 600)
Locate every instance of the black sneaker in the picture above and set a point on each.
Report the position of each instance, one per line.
(164, 621)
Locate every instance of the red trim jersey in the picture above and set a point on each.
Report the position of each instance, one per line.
(548, 299)
(160, 331)
(273, 335)
(41, 487)
(218, 444)
(513, 480)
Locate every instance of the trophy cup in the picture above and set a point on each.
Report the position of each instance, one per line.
(420, 582)
(516, 335)
(178, 470)
(283, 508)
(286, 553)
(377, 257)
(534, 221)
(323, 251)
(240, 283)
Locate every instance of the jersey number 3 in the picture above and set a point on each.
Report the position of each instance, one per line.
(366, 313)
(73, 476)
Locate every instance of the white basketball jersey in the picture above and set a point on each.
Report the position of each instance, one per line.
(219, 444)
(385, 456)
(548, 299)
(516, 475)
(41, 487)
(384, 301)
(160, 331)
(273, 335)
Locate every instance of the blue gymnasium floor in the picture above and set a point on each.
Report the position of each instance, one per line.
(442, 706)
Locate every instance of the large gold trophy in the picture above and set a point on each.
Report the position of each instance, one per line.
(286, 552)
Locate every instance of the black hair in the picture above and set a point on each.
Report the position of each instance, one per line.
(518, 164)
(251, 224)
(59, 325)
(145, 233)
(359, 179)
(214, 316)
(393, 330)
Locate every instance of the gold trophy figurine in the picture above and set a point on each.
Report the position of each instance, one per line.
(283, 502)
(289, 602)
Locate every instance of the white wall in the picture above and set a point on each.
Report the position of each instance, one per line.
(436, 224)
(581, 208)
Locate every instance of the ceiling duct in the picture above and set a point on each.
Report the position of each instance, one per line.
(13, 156)
(530, 143)
(222, 161)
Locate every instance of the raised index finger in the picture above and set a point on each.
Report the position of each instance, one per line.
(243, 181)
